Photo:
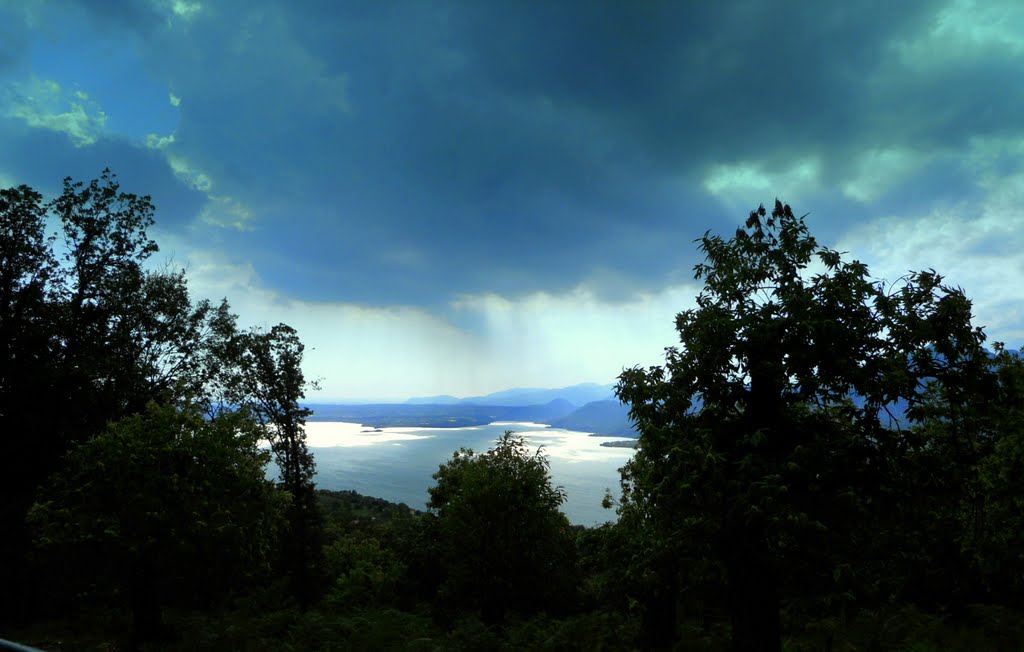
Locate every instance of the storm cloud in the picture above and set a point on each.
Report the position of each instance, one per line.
(446, 157)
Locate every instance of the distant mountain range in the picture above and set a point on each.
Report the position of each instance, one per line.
(578, 395)
(388, 415)
(606, 418)
(588, 407)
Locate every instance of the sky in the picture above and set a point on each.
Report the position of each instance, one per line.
(457, 197)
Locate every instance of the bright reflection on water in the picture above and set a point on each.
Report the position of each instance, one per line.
(397, 464)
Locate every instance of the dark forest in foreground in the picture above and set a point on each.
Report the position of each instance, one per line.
(770, 505)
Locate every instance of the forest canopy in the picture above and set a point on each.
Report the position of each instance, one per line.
(826, 461)
(102, 358)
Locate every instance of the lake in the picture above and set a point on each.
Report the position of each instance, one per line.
(396, 464)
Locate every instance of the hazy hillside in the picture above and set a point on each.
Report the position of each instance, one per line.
(576, 394)
(439, 416)
(609, 418)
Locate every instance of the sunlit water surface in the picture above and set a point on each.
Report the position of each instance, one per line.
(397, 463)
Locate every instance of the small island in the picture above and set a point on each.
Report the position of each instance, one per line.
(622, 443)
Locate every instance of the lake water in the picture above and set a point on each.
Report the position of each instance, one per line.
(396, 464)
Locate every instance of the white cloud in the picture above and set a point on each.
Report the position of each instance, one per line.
(964, 29)
(575, 337)
(975, 246)
(226, 212)
(222, 211)
(174, 99)
(396, 352)
(155, 141)
(43, 104)
(984, 155)
(358, 352)
(552, 340)
(185, 9)
(879, 170)
(748, 183)
(181, 166)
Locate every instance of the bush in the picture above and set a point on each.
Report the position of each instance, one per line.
(502, 540)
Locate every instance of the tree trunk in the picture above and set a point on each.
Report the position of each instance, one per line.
(753, 587)
(658, 630)
(753, 595)
(146, 611)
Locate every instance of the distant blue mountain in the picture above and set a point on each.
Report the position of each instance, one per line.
(576, 394)
(608, 418)
(384, 415)
(894, 415)
(587, 407)
(446, 411)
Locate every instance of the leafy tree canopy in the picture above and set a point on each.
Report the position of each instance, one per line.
(91, 334)
(165, 507)
(504, 542)
(765, 445)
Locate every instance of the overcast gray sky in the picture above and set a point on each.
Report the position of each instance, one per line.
(459, 197)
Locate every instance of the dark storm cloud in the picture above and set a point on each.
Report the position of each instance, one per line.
(118, 16)
(413, 152)
(14, 36)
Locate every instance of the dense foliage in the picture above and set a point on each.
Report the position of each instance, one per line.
(90, 338)
(503, 543)
(771, 463)
(170, 508)
(825, 462)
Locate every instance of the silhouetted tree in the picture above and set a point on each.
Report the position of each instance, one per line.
(89, 335)
(967, 511)
(265, 376)
(28, 354)
(66, 369)
(162, 508)
(502, 541)
(755, 461)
